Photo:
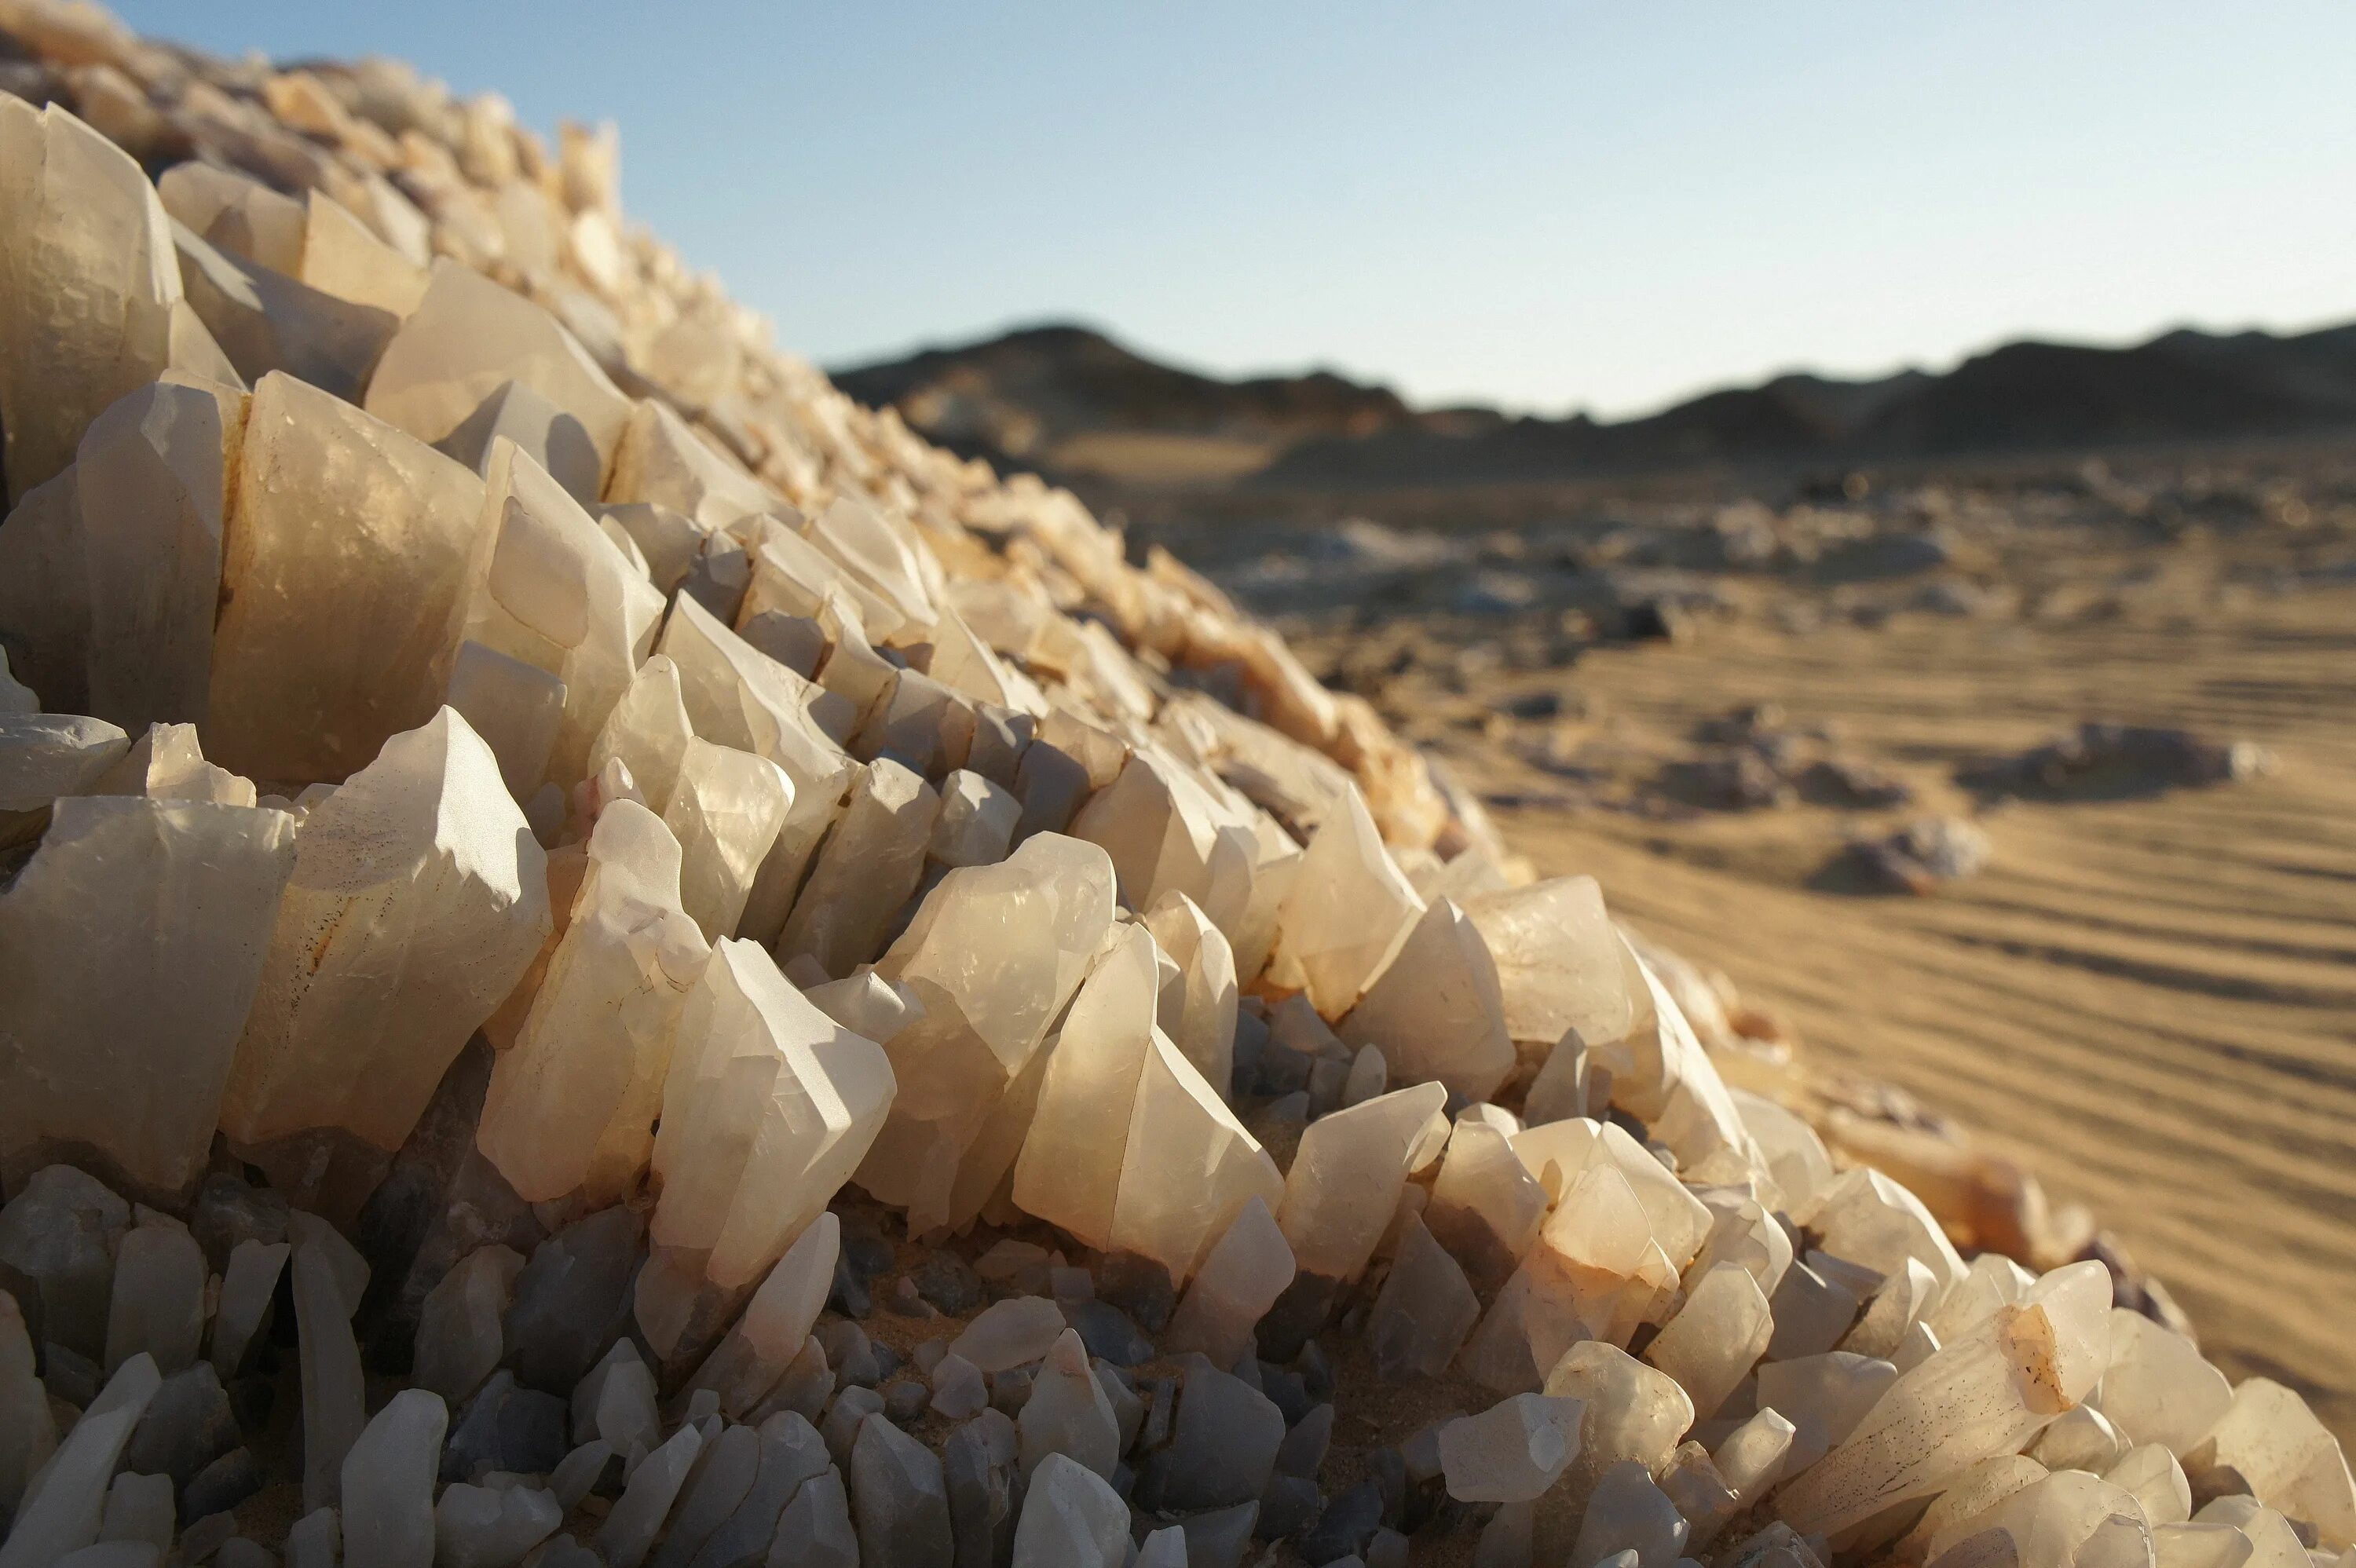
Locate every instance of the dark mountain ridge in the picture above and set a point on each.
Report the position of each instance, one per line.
(1029, 395)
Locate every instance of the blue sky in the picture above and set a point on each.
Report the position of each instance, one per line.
(1551, 206)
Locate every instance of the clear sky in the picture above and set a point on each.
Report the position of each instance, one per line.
(1548, 206)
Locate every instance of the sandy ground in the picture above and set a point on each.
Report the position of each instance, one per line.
(2151, 1002)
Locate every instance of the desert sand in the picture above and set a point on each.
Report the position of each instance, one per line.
(2148, 999)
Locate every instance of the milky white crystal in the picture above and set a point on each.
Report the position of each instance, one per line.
(572, 1103)
(419, 897)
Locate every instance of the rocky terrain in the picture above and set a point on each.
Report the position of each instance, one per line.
(607, 958)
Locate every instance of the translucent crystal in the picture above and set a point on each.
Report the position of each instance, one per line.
(1631, 1412)
(1348, 909)
(1071, 1519)
(561, 596)
(2158, 1387)
(1513, 1451)
(992, 958)
(1345, 1177)
(725, 809)
(629, 1531)
(66, 1501)
(767, 1110)
(648, 731)
(662, 461)
(513, 707)
(342, 256)
(29, 1433)
(1067, 1414)
(898, 1499)
(418, 899)
(237, 213)
(1487, 1207)
(459, 1331)
(866, 872)
(1985, 1393)
(1954, 1516)
(747, 1364)
(1626, 1513)
(976, 826)
(1424, 1310)
(151, 483)
(344, 588)
(1559, 962)
(1869, 1218)
(467, 338)
(816, 1529)
(88, 281)
(45, 755)
(265, 321)
(139, 1511)
(158, 1309)
(1197, 1007)
(1246, 1269)
(487, 1527)
(387, 1500)
(1010, 1333)
(2150, 1474)
(130, 948)
(2290, 1459)
(334, 1396)
(1711, 1344)
(572, 1107)
(1223, 1446)
(1750, 1457)
(165, 763)
(1129, 1149)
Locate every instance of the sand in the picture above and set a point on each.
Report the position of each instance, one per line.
(2150, 1002)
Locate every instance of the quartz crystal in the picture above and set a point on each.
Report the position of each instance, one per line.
(1711, 1344)
(1437, 1012)
(514, 708)
(387, 1498)
(88, 282)
(725, 809)
(265, 320)
(1486, 1206)
(767, 1108)
(1513, 1451)
(45, 755)
(29, 1433)
(865, 871)
(661, 461)
(467, 338)
(159, 1307)
(2290, 1459)
(344, 588)
(1129, 1149)
(152, 487)
(1345, 1181)
(1559, 964)
(130, 949)
(572, 1103)
(992, 958)
(419, 897)
(1010, 1333)
(459, 1330)
(898, 1499)
(561, 596)
(1071, 1519)
(66, 1500)
(1067, 1414)
(1348, 909)
(1424, 1311)
(165, 763)
(1197, 1005)
(629, 1531)
(647, 730)
(1629, 1517)
(1985, 1393)
(240, 215)
(2159, 1388)
(748, 1363)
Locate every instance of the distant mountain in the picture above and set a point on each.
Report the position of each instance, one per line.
(1066, 398)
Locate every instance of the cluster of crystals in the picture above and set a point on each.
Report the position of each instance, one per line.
(538, 835)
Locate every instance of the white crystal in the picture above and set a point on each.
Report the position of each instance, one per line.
(1513, 1451)
(387, 1500)
(1436, 1011)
